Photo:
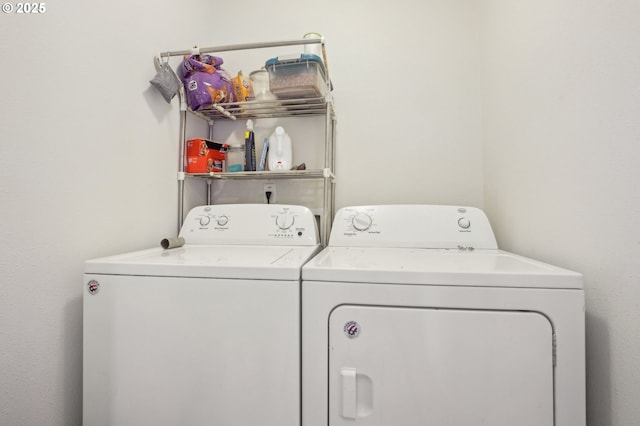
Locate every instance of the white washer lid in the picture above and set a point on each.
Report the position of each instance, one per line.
(206, 261)
(484, 268)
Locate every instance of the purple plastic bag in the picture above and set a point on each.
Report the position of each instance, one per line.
(205, 82)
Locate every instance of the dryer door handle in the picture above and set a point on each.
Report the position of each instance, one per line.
(349, 395)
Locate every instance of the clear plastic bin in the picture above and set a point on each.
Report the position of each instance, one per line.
(301, 77)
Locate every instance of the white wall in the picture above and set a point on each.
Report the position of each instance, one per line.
(88, 151)
(562, 143)
(408, 101)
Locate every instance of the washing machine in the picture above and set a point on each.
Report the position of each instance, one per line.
(412, 316)
(207, 333)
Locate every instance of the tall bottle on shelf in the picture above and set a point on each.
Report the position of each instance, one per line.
(249, 148)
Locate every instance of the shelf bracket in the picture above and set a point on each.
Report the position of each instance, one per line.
(326, 173)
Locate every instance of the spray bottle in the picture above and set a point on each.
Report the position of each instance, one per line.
(249, 148)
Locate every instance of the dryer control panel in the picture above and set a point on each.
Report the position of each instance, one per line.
(413, 226)
(250, 224)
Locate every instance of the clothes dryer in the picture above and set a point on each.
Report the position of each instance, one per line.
(207, 333)
(413, 316)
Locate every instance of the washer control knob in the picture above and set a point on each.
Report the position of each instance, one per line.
(464, 223)
(285, 221)
(361, 222)
(222, 220)
(204, 220)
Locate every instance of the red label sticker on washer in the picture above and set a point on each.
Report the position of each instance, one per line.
(351, 329)
(93, 286)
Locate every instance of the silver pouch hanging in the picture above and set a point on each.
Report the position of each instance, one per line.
(166, 81)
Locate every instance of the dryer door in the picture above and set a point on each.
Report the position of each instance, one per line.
(419, 366)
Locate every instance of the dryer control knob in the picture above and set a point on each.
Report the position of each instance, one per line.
(222, 220)
(464, 223)
(204, 220)
(361, 222)
(285, 221)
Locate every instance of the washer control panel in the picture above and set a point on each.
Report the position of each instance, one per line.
(418, 226)
(272, 224)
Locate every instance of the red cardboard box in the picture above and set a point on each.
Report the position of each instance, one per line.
(205, 156)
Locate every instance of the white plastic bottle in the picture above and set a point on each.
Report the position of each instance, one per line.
(280, 150)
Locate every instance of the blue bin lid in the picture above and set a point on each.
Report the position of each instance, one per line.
(304, 57)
